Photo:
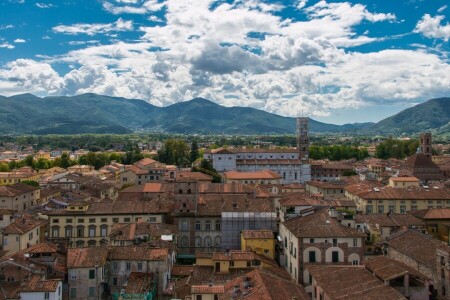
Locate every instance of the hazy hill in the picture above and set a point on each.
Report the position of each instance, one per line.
(432, 114)
(91, 113)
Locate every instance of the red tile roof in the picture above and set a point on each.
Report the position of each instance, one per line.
(388, 269)
(137, 253)
(258, 175)
(207, 289)
(87, 257)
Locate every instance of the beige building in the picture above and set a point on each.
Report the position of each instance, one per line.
(404, 182)
(257, 177)
(397, 200)
(16, 176)
(87, 272)
(329, 190)
(19, 196)
(85, 224)
(23, 233)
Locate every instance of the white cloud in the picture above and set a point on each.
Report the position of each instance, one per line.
(133, 7)
(17, 41)
(442, 8)
(44, 5)
(8, 26)
(301, 4)
(155, 19)
(431, 27)
(6, 45)
(92, 29)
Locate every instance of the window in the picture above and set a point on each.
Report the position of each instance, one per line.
(335, 242)
(199, 297)
(104, 220)
(335, 256)
(311, 241)
(115, 220)
(46, 295)
(103, 230)
(55, 233)
(69, 231)
(218, 225)
(402, 209)
(208, 241)
(381, 209)
(80, 231)
(91, 274)
(198, 241)
(127, 220)
(128, 266)
(73, 293)
(184, 225)
(91, 291)
(355, 242)
(114, 265)
(312, 256)
(392, 209)
(80, 220)
(55, 220)
(231, 263)
(92, 220)
(208, 225)
(69, 220)
(355, 262)
(91, 231)
(198, 225)
(30, 236)
(184, 241)
(73, 275)
(114, 280)
(369, 209)
(140, 266)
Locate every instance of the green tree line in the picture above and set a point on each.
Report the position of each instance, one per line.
(337, 152)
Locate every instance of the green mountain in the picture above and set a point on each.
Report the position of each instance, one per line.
(91, 113)
(430, 115)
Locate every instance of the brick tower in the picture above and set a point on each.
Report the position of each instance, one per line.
(425, 143)
(302, 138)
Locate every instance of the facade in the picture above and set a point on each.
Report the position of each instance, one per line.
(371, 200)
(404, 182)
(328, 172)
(90, 224)
(87, 272)
(23, 233)
(138, 259)
(16, 176)
(317, 238)
(329, 190)
(42, 289)
(259, 241)
(260, 177)
(19, 196)
(348, 282)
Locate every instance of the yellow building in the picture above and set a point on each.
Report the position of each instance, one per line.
(224, 262)
(404, 182)
(8, 178)
(42, 154)
(259, 241)
(83, 224)
(396, 200)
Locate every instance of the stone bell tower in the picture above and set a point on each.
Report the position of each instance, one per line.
(302, 138)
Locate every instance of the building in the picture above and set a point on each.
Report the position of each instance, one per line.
(123, 261)
(416, 250)
(404, 182)
(16, 176)
(396, 200)
(404, 279)
(87, 268)
(291, 164)
(19, 196)
(348, 282)
(127, 234)
(329, 190)
(23, 233)
(329, 172)
(317, 238)
(380, 226)
(443, 268)
(421, 164)
(84, 224)
(259, 241)
(437, 222)
(259, 177)
(37, 288)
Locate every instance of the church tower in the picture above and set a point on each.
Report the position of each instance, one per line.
(425, 145)
(302, 138)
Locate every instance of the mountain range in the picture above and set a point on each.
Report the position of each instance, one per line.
(91, 113)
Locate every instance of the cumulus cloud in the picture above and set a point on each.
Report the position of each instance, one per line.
(239, 53)
(93, 29)
(17, 41)
(431, 27)
(6, 45)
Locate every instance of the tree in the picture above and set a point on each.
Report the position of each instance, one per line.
(4, 167)
(30, 182)
(194, 151)
(174, 152)
(42, 163)
(65, 161)
(29, 161)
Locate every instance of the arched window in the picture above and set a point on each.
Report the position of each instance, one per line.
(103, 230)
(208, 241)
(184, 241)
(198, 241)
(80, 231)
(80, 243)
(92, 243)
(68, 231)
(55, 231)
(103, 242)
(217, 241)
(92, 230)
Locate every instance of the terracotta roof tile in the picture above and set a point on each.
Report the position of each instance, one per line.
(137, 253)
(387, 268)
(207, 289)
(86, 257)
(258, 175)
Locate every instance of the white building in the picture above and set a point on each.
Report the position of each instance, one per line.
(42, 289)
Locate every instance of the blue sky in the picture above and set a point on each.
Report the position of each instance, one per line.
(337, 61)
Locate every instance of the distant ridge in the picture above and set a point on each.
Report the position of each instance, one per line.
(91, 113)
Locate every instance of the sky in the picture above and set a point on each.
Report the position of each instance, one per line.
(336, 61)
